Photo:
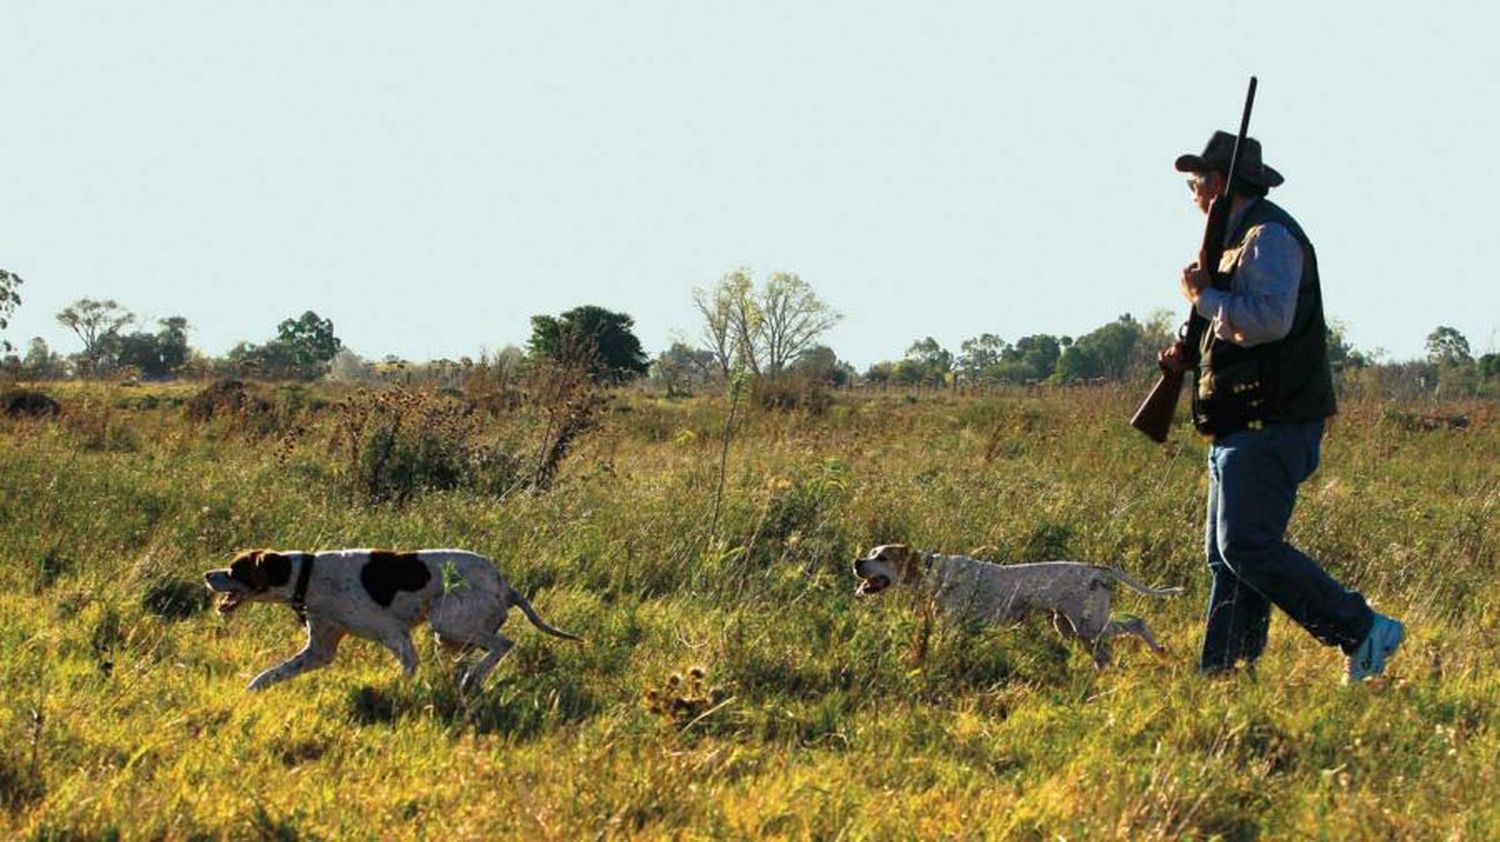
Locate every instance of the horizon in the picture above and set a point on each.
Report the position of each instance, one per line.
(431, 179)
(1377, 356)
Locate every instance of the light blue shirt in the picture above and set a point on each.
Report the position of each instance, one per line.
(1262, 300)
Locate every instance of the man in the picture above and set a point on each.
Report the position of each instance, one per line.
(1263, 393)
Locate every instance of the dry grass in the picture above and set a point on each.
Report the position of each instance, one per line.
(122, 710)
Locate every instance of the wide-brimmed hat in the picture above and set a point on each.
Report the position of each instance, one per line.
(1215, 158)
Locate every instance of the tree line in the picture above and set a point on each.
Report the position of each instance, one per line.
(301, 350)
(768, 332)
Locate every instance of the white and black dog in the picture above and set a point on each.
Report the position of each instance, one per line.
(379, 595)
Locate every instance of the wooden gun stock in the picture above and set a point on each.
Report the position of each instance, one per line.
(1154, 416)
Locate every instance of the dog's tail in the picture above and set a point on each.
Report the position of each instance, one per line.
(1136, 586)
(514, 597)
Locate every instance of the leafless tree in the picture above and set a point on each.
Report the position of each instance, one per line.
(761, 332)
(792, 317)
(731, 322)
(718, 332)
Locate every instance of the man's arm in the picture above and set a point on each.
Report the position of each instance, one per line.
(1263, 302)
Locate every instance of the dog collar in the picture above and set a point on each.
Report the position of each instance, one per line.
(299, 594)
(924, 569)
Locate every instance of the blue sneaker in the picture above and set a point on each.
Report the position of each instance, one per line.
(1368, 661)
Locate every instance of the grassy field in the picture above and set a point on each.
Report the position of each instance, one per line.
(731, 685)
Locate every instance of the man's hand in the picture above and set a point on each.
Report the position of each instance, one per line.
(1175, 359)
(1194, 281)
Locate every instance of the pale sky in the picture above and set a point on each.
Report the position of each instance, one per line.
(431, 175)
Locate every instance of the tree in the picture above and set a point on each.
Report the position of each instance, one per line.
(271, 361)
(679, 369)
(1077, 364)
(1032, 358)
(302, 350)
(1446, 346)
(923, 365)
(98, 325)
(723, 309)
(1104, 353)
(1487, 373)
(157, 355)
(792, 316)
(606, 338)
(138, 351)
(761, 332)
(1489, 367)
(745, 317)
(882, 373)
(9, 300)
(929, 360)
(1157, 332)
(820, 364)
(172, 340)
(348, 367)
(41, 362)
(978, 357)
(310, 341)
(1342, 355)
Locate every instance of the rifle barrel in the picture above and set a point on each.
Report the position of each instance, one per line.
(1154, 416)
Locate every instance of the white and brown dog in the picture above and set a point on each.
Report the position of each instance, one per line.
(1076, 595)
(379, 595)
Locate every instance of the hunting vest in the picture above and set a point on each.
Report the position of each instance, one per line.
(1286, 380)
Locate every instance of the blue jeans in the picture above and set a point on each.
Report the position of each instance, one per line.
(1253, 479)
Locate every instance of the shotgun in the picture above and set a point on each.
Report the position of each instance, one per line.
(1154, 416)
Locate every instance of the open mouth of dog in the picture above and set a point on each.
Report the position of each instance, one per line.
(228, 601)
(229, 592)
(872, 585)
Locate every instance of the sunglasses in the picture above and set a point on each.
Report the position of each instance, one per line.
(1196, 181)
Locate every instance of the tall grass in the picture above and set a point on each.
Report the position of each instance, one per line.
(122, 709)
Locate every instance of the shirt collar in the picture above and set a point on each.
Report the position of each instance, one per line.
(1235, 218)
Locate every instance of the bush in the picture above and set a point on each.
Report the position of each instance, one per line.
(26, 402)
(254, 410)
(793, 391)
(400, 443)
(223, 397)
(569, 399)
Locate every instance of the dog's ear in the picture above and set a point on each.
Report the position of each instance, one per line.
(908, 562)
(905, 561)
(277, 569)
(246, 569)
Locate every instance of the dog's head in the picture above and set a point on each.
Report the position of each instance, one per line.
(884, 566)
(253, 576)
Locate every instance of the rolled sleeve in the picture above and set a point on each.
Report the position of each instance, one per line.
(1263, 301)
